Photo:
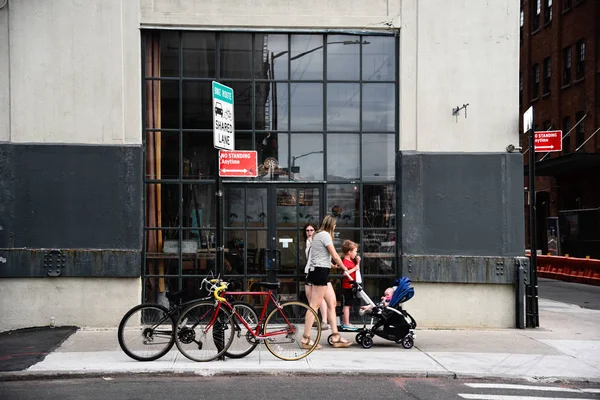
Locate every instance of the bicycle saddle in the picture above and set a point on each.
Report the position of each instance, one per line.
(175, 296)
(269, 285)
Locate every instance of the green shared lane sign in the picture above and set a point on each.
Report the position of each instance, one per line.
(223, 126)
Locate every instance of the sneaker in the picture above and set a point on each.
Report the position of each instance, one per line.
(325, 327)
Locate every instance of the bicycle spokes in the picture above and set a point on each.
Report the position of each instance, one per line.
(207, 332)
(284, 329)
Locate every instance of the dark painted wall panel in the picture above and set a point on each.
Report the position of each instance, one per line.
(25, 263)
(70, 196)
(462, 204)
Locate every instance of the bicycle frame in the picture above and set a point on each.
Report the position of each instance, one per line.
(174, 312)
(256, 332)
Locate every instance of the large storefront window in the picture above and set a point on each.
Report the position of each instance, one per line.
(320, 110)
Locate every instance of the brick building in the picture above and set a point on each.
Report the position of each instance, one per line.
(559, 77)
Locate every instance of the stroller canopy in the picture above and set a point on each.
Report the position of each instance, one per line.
(403, 292)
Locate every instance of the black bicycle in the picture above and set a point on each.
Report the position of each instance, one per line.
(147, 331)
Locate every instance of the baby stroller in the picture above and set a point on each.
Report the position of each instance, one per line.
(392, 322)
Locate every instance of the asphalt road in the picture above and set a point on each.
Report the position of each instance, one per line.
(346, 387)
(585, 296)
(22, 348)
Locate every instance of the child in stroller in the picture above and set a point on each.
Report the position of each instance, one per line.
(385, 301)
(391, 321)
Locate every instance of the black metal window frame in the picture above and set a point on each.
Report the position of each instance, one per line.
(547, 11)
(567, 62)
(536, 10)
(535, 87)
(520, 89)
(547, 75)
(180, 79)
(567, 4)
(580, 65)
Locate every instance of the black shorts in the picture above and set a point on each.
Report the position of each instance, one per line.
(349, 299)
(318, 277)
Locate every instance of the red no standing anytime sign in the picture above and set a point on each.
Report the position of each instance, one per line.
(546, 141)
(237, 163)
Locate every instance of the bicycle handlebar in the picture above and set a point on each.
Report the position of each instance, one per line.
(215, 287)
(222, 286)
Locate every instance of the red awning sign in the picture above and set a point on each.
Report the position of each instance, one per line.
(239, 163)
(546, 141)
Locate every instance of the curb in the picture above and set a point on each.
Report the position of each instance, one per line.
(35, 376)
(49, 375)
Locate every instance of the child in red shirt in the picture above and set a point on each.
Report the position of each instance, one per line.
(352, 262)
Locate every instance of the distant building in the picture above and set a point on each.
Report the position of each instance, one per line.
(560, 77)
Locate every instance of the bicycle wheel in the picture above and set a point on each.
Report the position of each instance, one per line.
(146, 332)
(287, 328)
(243, 341)
(202, 335)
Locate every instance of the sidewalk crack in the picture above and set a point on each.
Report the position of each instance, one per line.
(437, 362)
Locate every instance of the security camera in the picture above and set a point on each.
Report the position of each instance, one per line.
(511, 148)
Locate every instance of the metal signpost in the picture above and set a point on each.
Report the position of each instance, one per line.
(540, 142)
(531, 305)
(223, 138)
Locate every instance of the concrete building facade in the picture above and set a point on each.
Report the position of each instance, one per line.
(105, 131)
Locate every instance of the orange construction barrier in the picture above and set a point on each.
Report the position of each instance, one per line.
(580, 270)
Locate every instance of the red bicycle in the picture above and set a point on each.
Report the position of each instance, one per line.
(208, 329)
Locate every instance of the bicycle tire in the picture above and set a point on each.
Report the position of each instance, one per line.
(289, 347)
(198, 338)
(139, 336)
(241, 345)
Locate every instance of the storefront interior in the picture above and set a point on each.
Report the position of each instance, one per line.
(320, 110)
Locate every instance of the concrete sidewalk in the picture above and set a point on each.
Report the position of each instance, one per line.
(566, 347)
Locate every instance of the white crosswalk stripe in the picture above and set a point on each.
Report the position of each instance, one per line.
(521, 387)
(528, 388)
(507, 397)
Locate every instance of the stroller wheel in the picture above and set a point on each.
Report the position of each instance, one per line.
(408, 342)
(367, 342)
(330, 340)
(359, 338)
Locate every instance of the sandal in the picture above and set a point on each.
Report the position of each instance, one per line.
(309, 343)
(341, 342)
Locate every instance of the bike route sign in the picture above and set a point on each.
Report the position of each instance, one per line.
(223, 126)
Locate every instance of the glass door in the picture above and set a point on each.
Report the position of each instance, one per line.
(295, 206)
(264, 233)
